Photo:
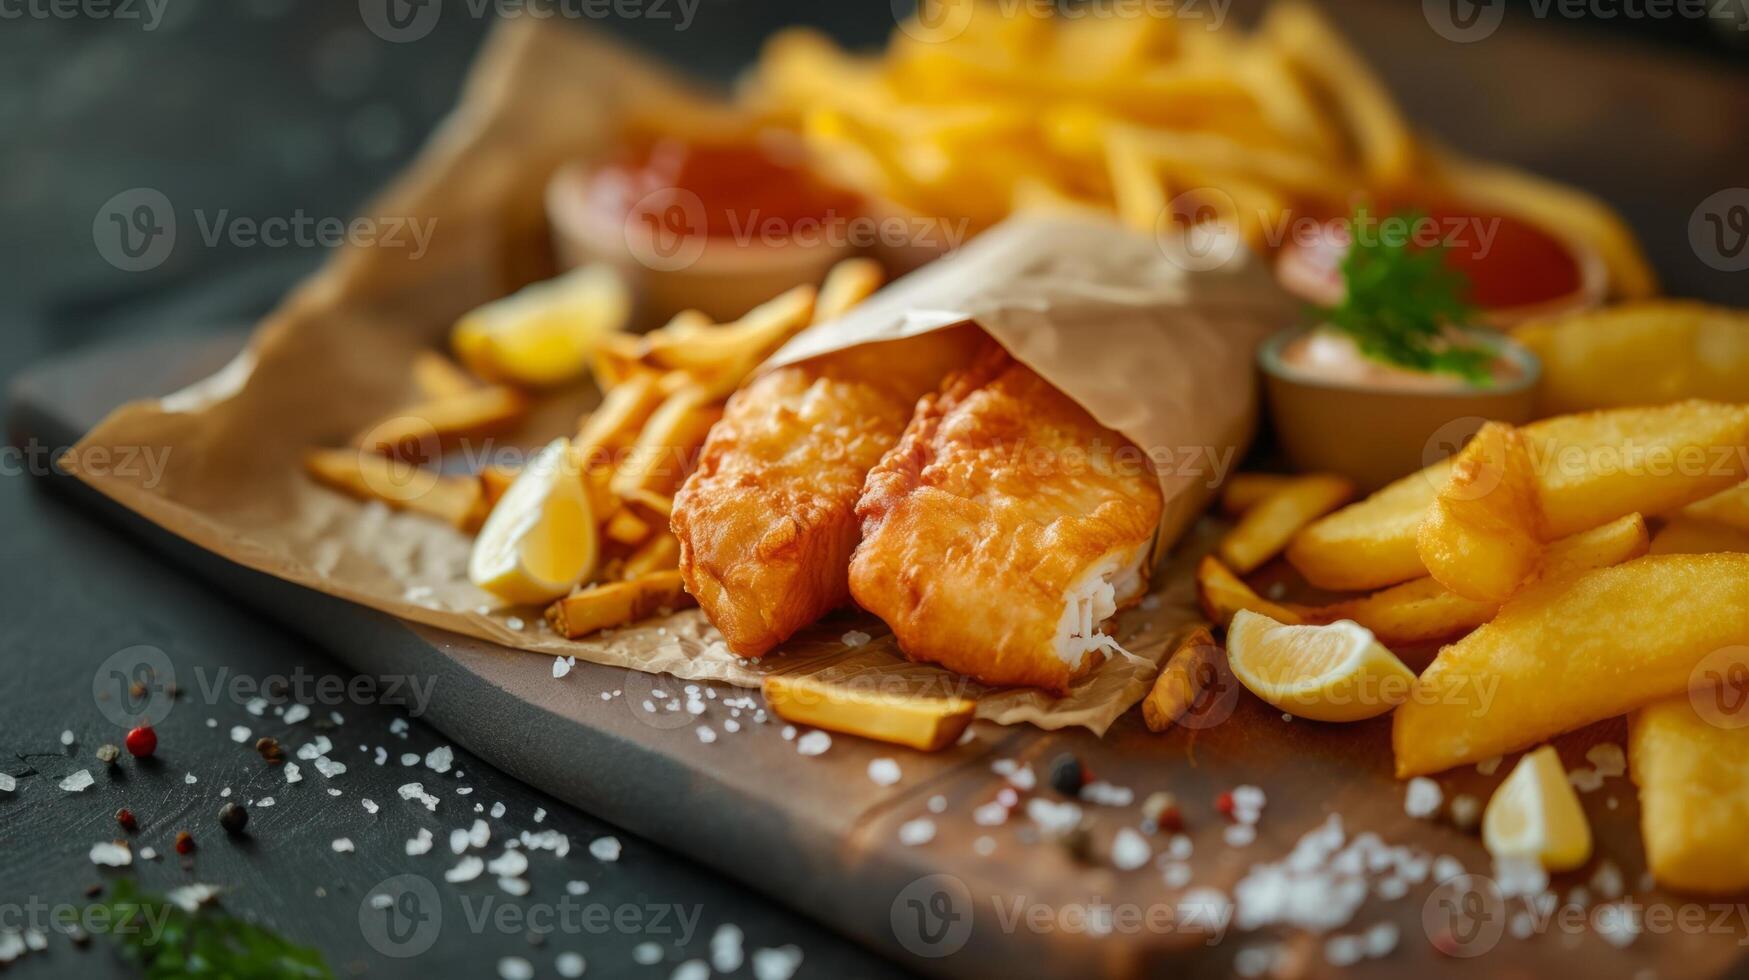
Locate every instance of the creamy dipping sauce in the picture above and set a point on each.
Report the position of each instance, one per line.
(1328, 354)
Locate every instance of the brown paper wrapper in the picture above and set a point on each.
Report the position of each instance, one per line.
(1160, 355)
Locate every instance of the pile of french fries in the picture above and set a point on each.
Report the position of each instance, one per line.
(661, 393)
(987, 108)
(1582, 567)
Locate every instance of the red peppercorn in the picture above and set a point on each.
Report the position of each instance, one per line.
(142, 741)
(184, 842)
(125, 817)
(1224, 803)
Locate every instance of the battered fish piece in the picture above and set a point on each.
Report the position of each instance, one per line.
(1004, 529)
(767, 521)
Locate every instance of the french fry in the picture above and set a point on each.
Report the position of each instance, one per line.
(847, 285)
(455, 500)
(1645, 353)
(659, 554)
(1267, 527)
(1387, 147)
(1245, 490)
(660, 504)
(1181, 683)
(1685, 535)
(659, 457)
(1730, 508)
(925, 723)
(1483, 535)
(614, 424)
(627, 528)
(615, 604)
(437, 377)
(1591, 468)
(472, 412)
(1424, 610)
(746, 340)
(598, 483)
(1556, 657)
(1222, 594)
(1693, 774)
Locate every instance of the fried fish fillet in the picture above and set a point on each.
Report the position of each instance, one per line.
(1005, 527)
(766, 522)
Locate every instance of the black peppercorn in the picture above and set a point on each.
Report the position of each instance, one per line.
(233, 818)
(1066, 775)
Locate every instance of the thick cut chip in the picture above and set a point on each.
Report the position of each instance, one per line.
(1591, 469)
(1222, 594)
(1567, 653)
(1266, 528)
(925, 723)
(1483, 535)
(1646, 353)
(1692, 767)
(1684, 535)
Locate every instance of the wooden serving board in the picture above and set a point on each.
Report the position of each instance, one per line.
(818, 834)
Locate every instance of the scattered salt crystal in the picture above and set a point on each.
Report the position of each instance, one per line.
(569, 965)
(148, 854)
(561, 667)
(576, 887)
(67, 737)
(328, 767)
(726, 954)
(1004, 767)
(1381, 938)
(7, 782)
(691, 970)
(776, 964)
(1609, 759)
(855, 638)
(497, 810)
(1616, 923)
(1607, 880)
(1422, 798)
(1466, 810)
(239, 733)
(1053, 818)
(1023, 779)
(515, 623)
(814, 743)
(788, 733)
(467, 869)
(296, 713)
(409, 758)
(440, 759)
(1130, 850)
(369, 806)
(937, 804)
(1239, 834)
(416, 791)
(915, 832)
(256, 706)
(458, 840)
(342, 845)
(706, 734)
(646, 954)
(479, 834)
(1446, 867)
(1177, 875)
(420, 844)
(984, 846)
(731, 726)
(991, 814)
(1585, 780)
(1487, 766)
(111, 855)
(605, 848)
(1344, 950)
(78, 782)
(883, 771)
(382, 755)
(510, 864)
(292, 773)
(265, 801)
(1105, 794)
(515, 968)
(1518, 876)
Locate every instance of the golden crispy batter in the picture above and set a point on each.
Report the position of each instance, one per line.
(1004, 527)
(766, 522)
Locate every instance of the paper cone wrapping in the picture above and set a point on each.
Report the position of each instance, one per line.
(1157, 353)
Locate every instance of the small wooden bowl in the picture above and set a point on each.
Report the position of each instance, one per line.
(1375, 435)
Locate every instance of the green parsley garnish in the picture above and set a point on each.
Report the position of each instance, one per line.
(1400, 302)
(166, 942)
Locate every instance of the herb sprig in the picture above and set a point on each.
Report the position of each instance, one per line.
(1400, 301)
(166, 941)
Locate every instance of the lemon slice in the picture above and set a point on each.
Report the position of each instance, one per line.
(1536, 814)
(545, 333)
(1337, 672)
(539, 541)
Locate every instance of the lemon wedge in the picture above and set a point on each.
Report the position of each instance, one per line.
(1337, 672)
(545, 333)
(1536, 814)
(539, 541)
